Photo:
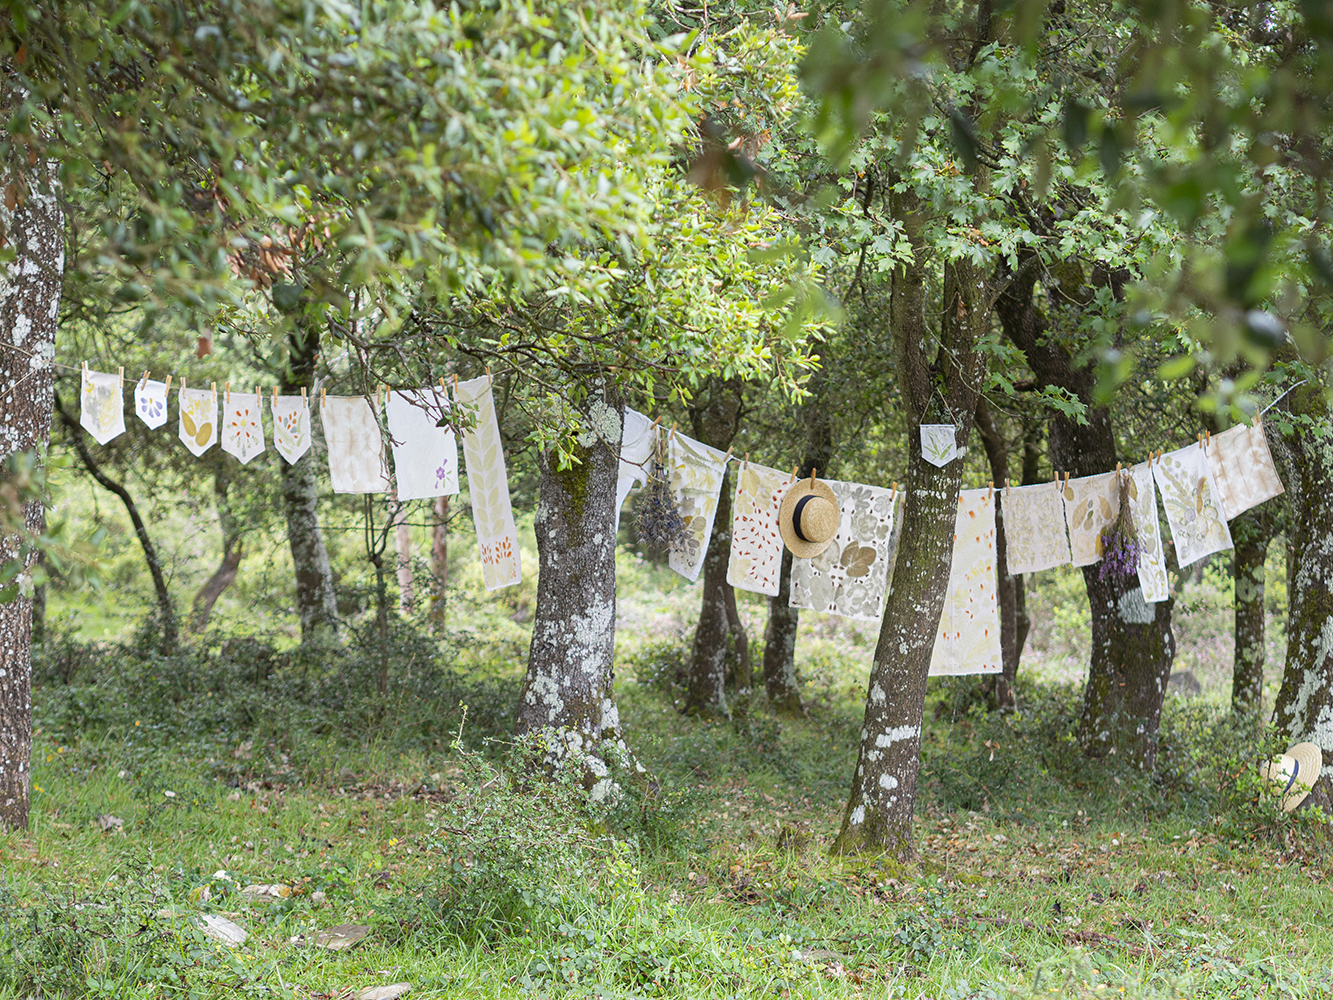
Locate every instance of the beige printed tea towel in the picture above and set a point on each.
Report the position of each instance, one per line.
(1035, 535)
(1242, 468)
(756, 545)
(636, 452)
(242, 424)
(1091, 506)
(355, 445)
(968, 638)
(425, 455)
(696, 480)
(1190, 499)
(851, 577)
(488, 485)
(291, 426)
(150, 402)
(198, 419)
(101, 406)
(1152, 558)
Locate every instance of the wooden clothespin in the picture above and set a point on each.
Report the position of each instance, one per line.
(490, 380)
(1006, 485)
(813, 474)
(214, 387)
(85, 368)
(304, 401)
(795, 469)
(143, 381)
(746, 465)
(226, 393)
(275, 394)
(1207, 439)
(727, 457)
(673, 430)
(990, 486)
(120, 374)
(169, 383)
(894, 491)
(258, 397)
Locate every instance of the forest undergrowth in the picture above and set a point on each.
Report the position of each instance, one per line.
(166, 787)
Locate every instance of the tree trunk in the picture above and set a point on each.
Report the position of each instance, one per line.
(570, 667)
(1009, 588)
(233, 549)
(32, 226)
(402, 538)
(316, 601)
(166, 610)
(439, 560)
(1251, 532)
(883, 794)
(1304, 708)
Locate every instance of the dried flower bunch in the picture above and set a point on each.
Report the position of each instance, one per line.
(656, 511)
(1120, 542)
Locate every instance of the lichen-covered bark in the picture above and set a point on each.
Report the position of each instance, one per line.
(1251, 532)
(568, 688)
(316, 600)
(1304, 708)
(32, 227)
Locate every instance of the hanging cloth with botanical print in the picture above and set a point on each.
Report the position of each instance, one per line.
(291, 426)
(850, 578)
(1091, 505)
(968, 638)
(488, 486)
(756, 545)
(355, 445)
(1190, 499)
(425, 454)
(696, 480)
(1035, 536)
(637, 441)
(150, 402)
(198, 419)
(1152, 559)
(243, 424)
(101, 406)
(1242, 468)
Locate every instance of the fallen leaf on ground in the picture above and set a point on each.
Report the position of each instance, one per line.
(260, 893)
(392, 992)
(222, 929)
(342, 936)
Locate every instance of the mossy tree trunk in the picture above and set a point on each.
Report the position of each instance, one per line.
(568, 688)
(1132, 642)
(883, 794)
(1251, 532)
(32, 228)
(1304, 708)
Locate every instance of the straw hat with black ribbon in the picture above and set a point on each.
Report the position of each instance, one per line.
(809, 517)
(1296, 771)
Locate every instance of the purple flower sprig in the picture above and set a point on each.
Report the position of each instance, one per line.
(1121, 547)
(657, 513)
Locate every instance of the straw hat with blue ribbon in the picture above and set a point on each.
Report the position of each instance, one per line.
(1295, 771)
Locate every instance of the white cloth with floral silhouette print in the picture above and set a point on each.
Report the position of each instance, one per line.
(101, 406)
(696, 480)
(291, 426)
(355, 445)
(1243, 469)
(636, 453)
(488, 486)
(756, 544)
(1035, 536)
(968, 638)
(150, 402)
(851, 577)
(1091, 506)
(1152, 560)
(425, 456)
(198, 419)
(1190, 499)
(243, 425)
(939, 443)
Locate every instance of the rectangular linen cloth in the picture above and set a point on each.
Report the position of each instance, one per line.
(636, 451)
(291, 426)
(1091, 506)
(1190, 499)
(101, 406)
(1242, 468)
(150, 402)
(756, 544)
(425, 457)
(355, 445)
(242, 425)
(851, 577)
(1035, 535)
(488, 486)
(1152, 558)
(198, 419)
(696, 479)
(968, 638)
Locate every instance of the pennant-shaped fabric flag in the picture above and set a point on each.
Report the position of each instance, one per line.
(1152, 560)
(696, 479)
(150, 402)
(488, 486)
(939, 443)
(1189, 497)
(1242, 468)
(101, 406)
(1091, 506)
(851, 577)
(291, 426)
(425, 455)
(356, 448)
(243, 425)
(1035, 537)
(756, 544)
(636, 451)
(198, 419)
(968, 640)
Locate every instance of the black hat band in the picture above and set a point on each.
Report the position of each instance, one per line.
(796, 517)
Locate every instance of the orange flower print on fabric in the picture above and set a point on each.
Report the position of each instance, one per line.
(756, 545)
(968, 639)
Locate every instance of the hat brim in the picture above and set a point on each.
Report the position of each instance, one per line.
(1309, 759)
(798, 546)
